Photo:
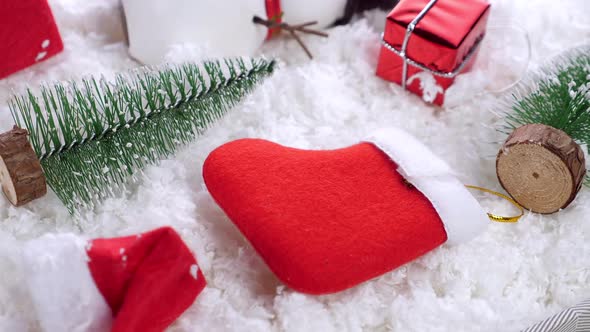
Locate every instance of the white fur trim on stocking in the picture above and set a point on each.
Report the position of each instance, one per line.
(63, 290)
(460, 212)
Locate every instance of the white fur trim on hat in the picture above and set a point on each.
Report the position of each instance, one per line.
(64, 293)
(460, 212)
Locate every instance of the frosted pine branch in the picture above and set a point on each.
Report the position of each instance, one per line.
(92, 136)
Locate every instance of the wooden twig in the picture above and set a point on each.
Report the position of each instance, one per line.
(300, 42)
(309, 31)
(292, 29)
(306, 24)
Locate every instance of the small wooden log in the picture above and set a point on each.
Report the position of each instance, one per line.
(21, 175)
(541, 167)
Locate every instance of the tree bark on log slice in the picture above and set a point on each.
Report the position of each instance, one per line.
(541, 167)
(21, 174)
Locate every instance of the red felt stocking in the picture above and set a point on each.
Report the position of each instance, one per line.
(325, 221)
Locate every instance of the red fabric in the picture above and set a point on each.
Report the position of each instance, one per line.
(323, 221)
(28, 34)
(146, 279)
(274, 12)
(441, 39)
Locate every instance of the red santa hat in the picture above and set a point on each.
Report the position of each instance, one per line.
(328, 220)
(28, 34)
(134, 283)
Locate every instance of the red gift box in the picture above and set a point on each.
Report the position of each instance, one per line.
(427, 43)
(28, 34)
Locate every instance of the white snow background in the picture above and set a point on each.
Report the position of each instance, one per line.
(504, 280)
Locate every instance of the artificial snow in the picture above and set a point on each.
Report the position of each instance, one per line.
(40, 55)
(430, 89)
(506, 279)
(194, 269)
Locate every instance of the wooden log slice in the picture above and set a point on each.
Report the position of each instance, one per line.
(541, 167)
(21, 175)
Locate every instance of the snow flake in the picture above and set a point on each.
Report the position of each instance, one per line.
(430, 89)
(40, 56)
(194, 270)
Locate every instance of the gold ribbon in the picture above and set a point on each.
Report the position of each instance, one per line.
(498, 218)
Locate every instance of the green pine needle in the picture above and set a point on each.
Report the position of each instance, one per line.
(93, 136)
(557, 96)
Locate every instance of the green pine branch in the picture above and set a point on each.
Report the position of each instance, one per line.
(557, 96)
(91, 137)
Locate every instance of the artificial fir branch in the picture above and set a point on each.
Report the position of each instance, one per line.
(557, 96)
(92, 136)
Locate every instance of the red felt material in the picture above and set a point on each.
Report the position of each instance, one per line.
(323, 221)
(28, 34)
(145, 278)
(440, 41)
